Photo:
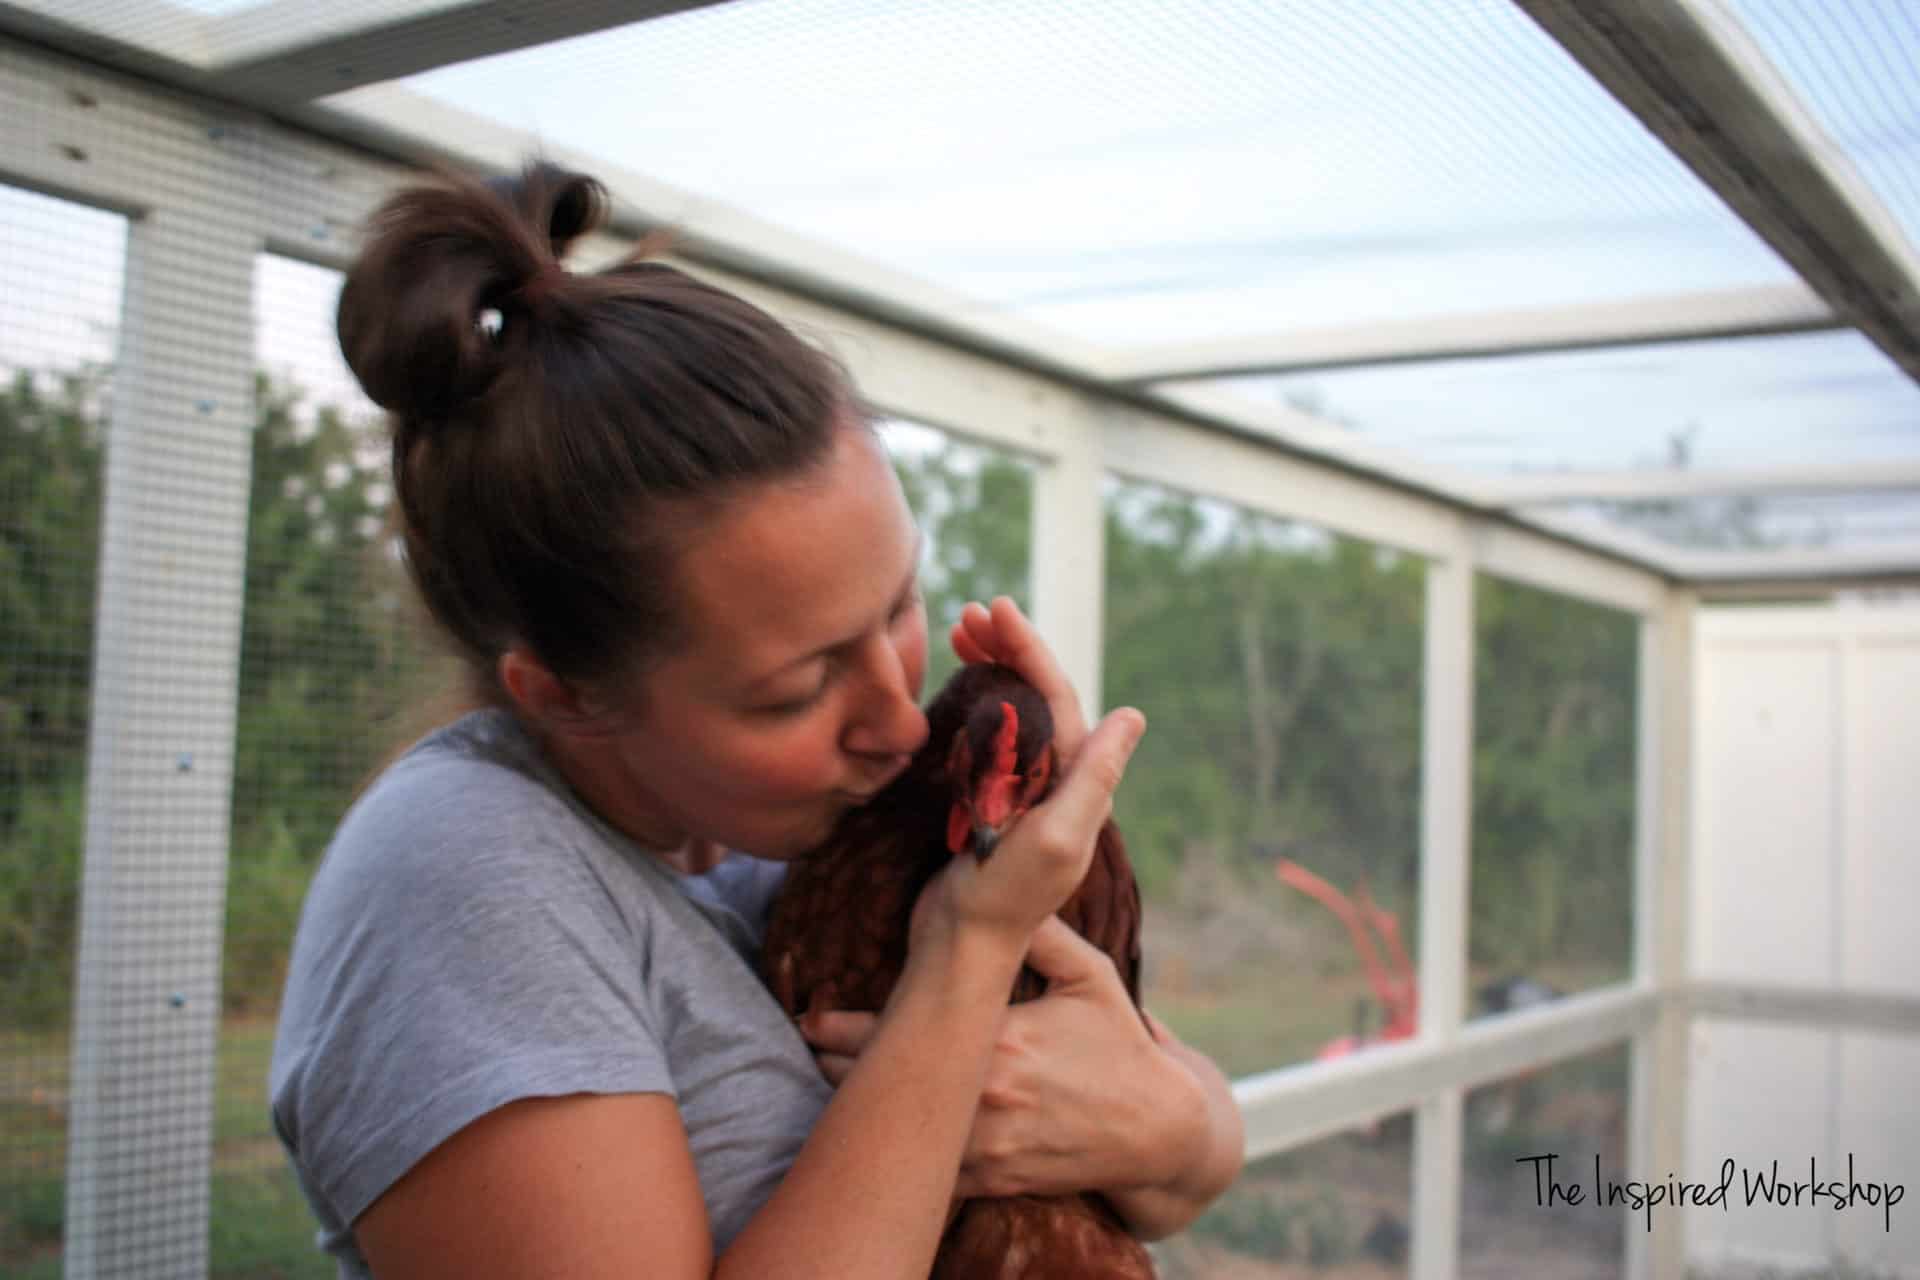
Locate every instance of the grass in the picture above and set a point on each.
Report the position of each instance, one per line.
(260, 1227)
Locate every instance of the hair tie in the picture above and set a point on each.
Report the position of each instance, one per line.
(541, 284)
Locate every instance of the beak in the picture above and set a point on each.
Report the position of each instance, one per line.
(985, 838)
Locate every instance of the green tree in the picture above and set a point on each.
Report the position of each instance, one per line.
(328, 661)
(50, 484)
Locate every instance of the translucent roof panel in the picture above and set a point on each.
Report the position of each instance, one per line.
(1132, 172)
(1732, 403)
(1854, 66)
(61, 273)
(1832, 521)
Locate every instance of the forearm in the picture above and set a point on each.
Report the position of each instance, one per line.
(870, 1192)
(1161, 1209)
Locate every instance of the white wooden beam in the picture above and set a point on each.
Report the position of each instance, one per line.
(1446, 865)
(1788, 565)
(1695, 77)
(1297, 1105)
(1663, 904)
(1565, 569)
(1731, 313)
(166, 664)
(1537, 487)
(1149, 446)
(156, 33)
(295, 50)
(1875, 1012)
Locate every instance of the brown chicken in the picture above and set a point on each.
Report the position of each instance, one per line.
(837, 939)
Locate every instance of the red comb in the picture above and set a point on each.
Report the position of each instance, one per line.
(1003, 755)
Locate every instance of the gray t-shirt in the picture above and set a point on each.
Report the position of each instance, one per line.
(475, 935)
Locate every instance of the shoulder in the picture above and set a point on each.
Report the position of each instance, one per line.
(470, 815)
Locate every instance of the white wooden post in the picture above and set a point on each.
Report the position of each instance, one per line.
(1067, 555)
(1446, 808)
(1657, 1115)
(160, 756)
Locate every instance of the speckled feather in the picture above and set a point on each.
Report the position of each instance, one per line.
(837, 939)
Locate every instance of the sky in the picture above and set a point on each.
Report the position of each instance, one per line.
(1132, 172)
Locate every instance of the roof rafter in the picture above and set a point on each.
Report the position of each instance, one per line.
(1730, 313)
(1528, 488)
(289, 51)
(1696, 79)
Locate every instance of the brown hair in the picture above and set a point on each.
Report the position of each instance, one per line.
(551, 430)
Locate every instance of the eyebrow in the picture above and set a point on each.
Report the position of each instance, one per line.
(825, 650)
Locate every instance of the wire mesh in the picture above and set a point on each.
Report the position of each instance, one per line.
(974, 507)
(1852, 65)
(1552, 863)
(334, 673)
(1575, 1111)
(1723, 404)
(1131, 172)
(60, 277)
(1280, 670)
(1340, 1207)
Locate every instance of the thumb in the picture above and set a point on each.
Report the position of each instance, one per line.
(1085, 797)
(1060, 955)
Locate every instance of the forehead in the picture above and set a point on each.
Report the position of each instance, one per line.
(788, 567)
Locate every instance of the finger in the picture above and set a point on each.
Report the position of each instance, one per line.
(1019, 646)
(838, 1031)
(966, 648)
(976, 624)
(1085, 798)
(1059, 954)
(836, 1067)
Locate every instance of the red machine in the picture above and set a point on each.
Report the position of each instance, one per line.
(1392, 979)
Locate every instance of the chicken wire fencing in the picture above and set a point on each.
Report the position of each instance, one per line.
(59, 312)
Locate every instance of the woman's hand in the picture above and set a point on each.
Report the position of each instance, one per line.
(1039, 863)
(1001, 633)
(1082, 1096)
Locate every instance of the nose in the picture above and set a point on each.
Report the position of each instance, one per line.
(887, 721)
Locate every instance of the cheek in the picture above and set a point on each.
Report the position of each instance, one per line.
(913, 653)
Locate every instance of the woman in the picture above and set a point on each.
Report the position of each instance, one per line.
(522, 1034)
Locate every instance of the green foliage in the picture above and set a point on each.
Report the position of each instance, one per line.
(260, 1227)
(1261, 1222)
(327, 664)
(39, 901)
(1280, 673)
(50, 484)
(975, 511)
(1281, 670)
(1554, 705)
(327, 657)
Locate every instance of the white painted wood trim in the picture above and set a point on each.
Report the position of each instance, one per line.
(1296, 1105)
(1727, 313)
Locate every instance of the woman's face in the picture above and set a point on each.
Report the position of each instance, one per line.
(797, 694)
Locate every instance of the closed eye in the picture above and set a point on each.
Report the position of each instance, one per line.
(902, 607)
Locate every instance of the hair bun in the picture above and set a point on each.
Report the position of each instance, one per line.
(437, 257)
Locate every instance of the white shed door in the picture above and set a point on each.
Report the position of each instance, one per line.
(1806, 874)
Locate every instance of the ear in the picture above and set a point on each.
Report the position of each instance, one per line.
(541, 696)
(960, 760)
(1037, 779)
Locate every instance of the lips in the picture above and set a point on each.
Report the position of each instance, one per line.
(886, 780)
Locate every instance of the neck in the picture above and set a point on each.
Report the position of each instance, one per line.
(590, 770)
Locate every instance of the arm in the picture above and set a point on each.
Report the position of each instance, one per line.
(1158, 1210)
(604, 1186)
(1080, 1095)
